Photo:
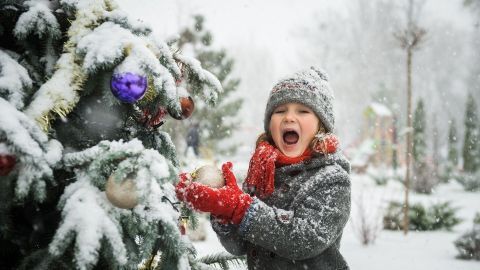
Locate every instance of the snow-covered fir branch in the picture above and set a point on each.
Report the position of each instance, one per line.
(87, 218)
(14, 80)
(37, 154)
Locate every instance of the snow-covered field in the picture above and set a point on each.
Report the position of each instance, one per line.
(392, 249)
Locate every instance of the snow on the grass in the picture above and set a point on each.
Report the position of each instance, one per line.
(13, 80)
(86, 220)
(392, 249)
(38, 20)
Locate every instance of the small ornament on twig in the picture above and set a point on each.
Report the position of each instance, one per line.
(122, 194)
(128, 87)
(187, 105)
(7, 163)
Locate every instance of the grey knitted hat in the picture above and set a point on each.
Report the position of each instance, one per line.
(310, 88)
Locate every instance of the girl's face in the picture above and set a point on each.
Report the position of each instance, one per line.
(293, 126)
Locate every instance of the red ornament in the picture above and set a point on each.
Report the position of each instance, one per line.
(7, 162)
(187, 105)
(153, 120)
(326, 144)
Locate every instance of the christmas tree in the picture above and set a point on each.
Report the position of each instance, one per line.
(86, 172)
(216, 124)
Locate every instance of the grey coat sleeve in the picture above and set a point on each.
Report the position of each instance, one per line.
(229, 237)
(313, 225)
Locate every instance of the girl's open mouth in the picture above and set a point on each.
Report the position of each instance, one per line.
(290, 137)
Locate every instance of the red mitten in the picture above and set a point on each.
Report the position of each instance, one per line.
(261, 170)
(227, 202)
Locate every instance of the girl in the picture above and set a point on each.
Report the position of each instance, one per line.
(296, 198)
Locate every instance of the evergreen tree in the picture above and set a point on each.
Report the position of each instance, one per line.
(424, 177)
(85, 172)
(419, 127)
(471, 159)
(218, 124)
(452, 144)
(436, 147)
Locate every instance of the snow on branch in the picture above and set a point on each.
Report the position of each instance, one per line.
(38, 20)
(121, 160)
(104, 46)
(104, 38)
(199, 78)
(88, 218)
(127, 158)
(136, 26)
(13, 80)
(59, 93)
(36, 153)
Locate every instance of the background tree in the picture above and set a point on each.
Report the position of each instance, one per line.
(424, 178)
(85, 172)
(436, 160)
(453, 144)
(419, 128)
(409, 39)
(218, 124)
(471, 159)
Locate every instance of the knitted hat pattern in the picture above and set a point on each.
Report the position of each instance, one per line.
(310, 88)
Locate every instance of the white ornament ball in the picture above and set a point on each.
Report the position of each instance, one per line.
(122, 194)
(209, 175)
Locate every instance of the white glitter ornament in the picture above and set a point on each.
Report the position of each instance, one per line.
(122, 194)
(209, 175)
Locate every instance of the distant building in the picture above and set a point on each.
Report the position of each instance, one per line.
(377, 142)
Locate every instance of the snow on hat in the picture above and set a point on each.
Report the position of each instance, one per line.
(310, 88)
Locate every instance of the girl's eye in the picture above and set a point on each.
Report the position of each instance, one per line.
(279, 111)
(304, 111)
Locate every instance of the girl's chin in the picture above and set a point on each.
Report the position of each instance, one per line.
(291, 150)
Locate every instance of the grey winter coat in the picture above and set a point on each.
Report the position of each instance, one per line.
(300, 225)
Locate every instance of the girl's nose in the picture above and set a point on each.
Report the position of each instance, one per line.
(289, 116)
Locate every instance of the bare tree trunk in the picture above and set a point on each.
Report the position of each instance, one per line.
(408, 155)
(409, 39)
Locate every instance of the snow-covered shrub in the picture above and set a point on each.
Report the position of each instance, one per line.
(469, 181)
(381, 175)
(447, 172)
(436, 217)
(424, 180)
(468, 245)
(476, 219)
(366, 221)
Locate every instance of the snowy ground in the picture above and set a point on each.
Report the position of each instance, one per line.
(392, 250)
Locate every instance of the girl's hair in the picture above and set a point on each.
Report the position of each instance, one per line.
(264, 137)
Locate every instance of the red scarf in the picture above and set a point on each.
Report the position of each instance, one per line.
(283, 160)
(261, 172)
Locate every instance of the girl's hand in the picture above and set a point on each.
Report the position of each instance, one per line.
(227, 202)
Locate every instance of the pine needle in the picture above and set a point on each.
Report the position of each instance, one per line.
(223, 259)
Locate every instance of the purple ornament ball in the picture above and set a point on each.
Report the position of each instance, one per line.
(128, 87)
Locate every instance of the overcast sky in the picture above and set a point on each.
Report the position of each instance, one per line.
(270, 34)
